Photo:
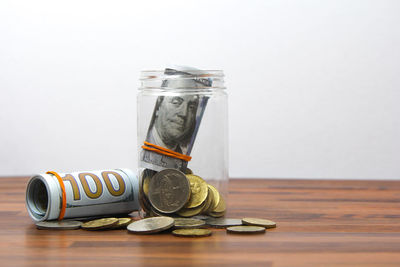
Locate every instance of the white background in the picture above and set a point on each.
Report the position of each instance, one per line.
(314, 85)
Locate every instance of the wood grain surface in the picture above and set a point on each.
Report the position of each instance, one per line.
(320, 223)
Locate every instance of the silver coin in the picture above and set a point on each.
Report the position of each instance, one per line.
(151, 225)
(169, 190)
(188, 223)
(223, 222)
(201, 217)
(58, 225)
(245, 229)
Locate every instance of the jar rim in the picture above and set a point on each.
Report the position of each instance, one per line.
(154, 74)
(204, 79)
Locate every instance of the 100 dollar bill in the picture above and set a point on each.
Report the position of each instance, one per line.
(82, 194)
(176, 119)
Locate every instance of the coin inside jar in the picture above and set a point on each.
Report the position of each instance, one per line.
(215, 197)
(169, 190)
(191, 212)
(198, 189)
(186, 223)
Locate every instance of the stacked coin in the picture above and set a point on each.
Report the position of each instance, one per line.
(172, 193)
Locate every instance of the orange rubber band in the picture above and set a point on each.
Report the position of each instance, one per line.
(64, 196)
(165, 151)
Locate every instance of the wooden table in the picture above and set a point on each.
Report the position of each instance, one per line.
(320, 223)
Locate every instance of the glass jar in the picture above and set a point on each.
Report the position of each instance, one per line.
(182, 123)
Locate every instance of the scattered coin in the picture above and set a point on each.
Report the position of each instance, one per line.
(100, 224)
(151, 225)
(191, 232)
(259, 222)
(169, 190)
(186, 223)
(245, 229)
(223, 222)
(122, 223)
(59, 225)
(198, 189)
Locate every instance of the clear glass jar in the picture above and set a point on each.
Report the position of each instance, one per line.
(184, 111)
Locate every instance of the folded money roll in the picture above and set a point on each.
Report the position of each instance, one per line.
(51, 196)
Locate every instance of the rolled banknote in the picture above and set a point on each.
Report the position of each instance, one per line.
(176, 118)
(51, 196)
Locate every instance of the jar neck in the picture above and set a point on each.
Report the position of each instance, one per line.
(170, 79)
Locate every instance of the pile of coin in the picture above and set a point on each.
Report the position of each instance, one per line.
(188, 227)
(171, 192)
(169, 198)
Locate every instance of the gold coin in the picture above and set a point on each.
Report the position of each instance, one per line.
(122, 223)
(191, 212)
(186, 223)
(188, 171)
(146, 182)
(216, 214)
(191, 232)
(221, 207)
(246, 229)
(199, 191)
(208, 201)
(215, 197)
(259, 222)
(144, 203)
(100, 224)
(146, 176)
